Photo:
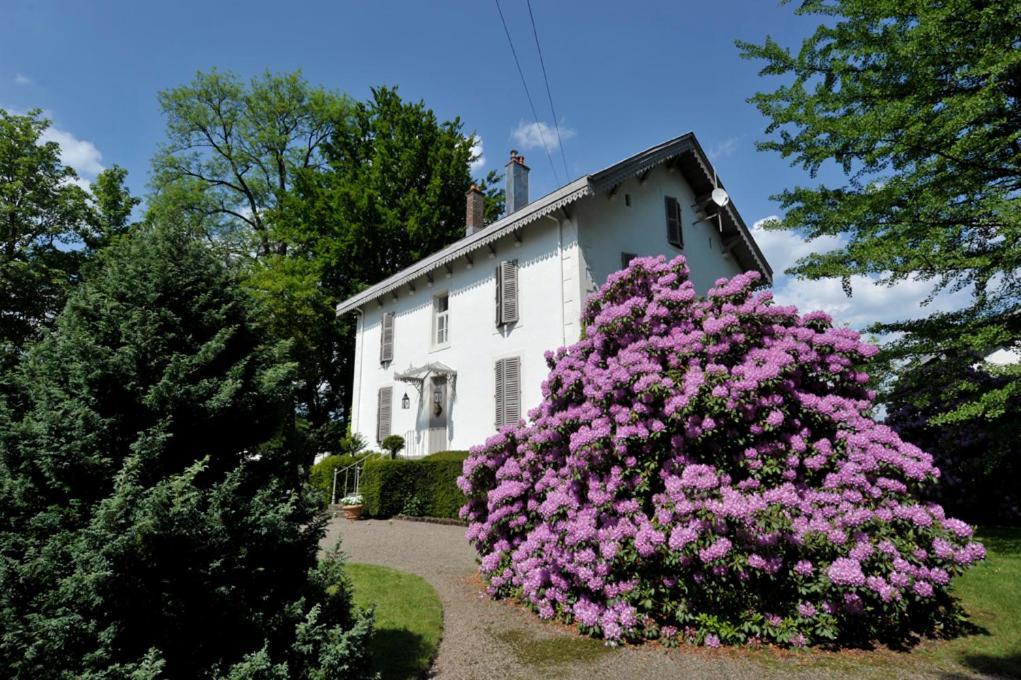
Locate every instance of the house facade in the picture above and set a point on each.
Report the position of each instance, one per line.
(452, 347)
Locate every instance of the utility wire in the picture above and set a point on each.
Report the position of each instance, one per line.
(535, 117)
(549, 94)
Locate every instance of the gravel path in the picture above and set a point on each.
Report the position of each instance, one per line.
(485, 639)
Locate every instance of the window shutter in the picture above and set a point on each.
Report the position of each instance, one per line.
(508, 391)
(511, 390)
(499, 294)
(383, 411)
(508, 287)
(625, 259)
(386, 338)
(499, 394)
(674, 235)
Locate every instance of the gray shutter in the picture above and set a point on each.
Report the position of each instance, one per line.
(499, 294)
(674, 234)
(498, 396)
(383, 411)
(386, 338)
(509, 291)
(511, 390)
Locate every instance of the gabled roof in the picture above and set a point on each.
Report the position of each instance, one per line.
(684, 153)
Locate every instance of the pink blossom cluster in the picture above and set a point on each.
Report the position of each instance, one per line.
(706, 469)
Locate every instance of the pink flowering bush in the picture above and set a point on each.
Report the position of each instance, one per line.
(705, 470)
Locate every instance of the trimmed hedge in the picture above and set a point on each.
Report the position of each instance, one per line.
(427, 486)
(321, 474)
(459, 456)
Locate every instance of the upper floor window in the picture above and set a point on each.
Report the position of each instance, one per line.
(674, 235)
(441, 319)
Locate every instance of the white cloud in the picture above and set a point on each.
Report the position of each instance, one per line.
(80, 154)
(532, 135)
(21, 79)
(870, 302)
(478, 153)
(725, 148)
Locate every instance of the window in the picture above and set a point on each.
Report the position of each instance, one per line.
(674, 235)
(507, 292)
(627, 200)
(386, 338)
(625, 259)
(383, 411)
(441, 319)
(508, 391)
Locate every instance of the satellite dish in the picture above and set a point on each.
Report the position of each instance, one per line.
(720, 197)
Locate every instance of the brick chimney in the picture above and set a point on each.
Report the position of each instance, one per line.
(517, 183)
(475, 213)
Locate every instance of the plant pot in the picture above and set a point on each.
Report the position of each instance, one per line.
(352, 512)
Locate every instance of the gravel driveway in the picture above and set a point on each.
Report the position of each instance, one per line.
(485, 639)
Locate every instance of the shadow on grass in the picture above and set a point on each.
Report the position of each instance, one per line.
(1008, 665)
(398, 654)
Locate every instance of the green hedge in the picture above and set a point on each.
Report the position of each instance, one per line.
(458, 456)
(321, 475)
(426, 487)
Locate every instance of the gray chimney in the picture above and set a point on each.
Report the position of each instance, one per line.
(517, 183)
(476, 211)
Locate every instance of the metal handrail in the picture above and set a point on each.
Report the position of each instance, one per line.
(357, 465)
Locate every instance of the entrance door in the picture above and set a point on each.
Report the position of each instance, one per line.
(438, 414)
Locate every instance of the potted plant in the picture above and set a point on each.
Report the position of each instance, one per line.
(352, 506)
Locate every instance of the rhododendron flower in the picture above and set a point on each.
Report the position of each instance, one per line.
(692, 453)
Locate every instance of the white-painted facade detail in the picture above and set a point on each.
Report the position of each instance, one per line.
(462, 357)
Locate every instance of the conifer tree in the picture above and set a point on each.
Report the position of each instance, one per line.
(154, 520)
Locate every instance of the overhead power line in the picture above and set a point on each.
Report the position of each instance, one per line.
(535, 116)
(549, 94)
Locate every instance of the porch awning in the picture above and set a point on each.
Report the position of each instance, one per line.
(417, 375)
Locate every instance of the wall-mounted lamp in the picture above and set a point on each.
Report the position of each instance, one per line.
(437, 404)
(405, 402)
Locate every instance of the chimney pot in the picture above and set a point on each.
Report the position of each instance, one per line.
(475, 212)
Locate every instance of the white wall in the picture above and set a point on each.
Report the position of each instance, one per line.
(560, 261)
(608, 227)
(475, 341)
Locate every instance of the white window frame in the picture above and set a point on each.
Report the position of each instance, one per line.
(441, 321)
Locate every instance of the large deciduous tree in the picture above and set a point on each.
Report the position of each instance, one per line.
(154, 520)
(233, 150)
(42, 213)
(919, 104)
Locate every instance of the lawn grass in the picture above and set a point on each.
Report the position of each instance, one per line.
(409, 619)
(991, 594)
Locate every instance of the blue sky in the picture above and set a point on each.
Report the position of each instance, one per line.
(624, 76)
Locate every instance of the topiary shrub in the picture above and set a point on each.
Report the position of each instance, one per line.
(393, 444)
(704, 470)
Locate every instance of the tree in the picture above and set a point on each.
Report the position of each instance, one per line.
(919, 104)
(392, 191)
(154, 520)
(43, 213)
(113, 206)
(233, 150)
(704, 469)
(980, 466)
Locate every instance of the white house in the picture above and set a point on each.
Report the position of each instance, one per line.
(452, 347)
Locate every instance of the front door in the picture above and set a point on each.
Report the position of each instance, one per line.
(438, 414)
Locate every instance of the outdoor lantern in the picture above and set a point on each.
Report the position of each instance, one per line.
(405, 402)
(437, 406)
